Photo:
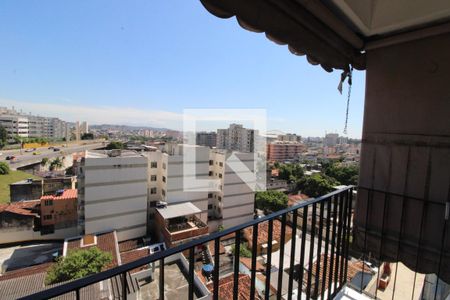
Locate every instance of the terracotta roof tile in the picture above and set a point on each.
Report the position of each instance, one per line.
(247, 261)
(127, 257)
(41, 268)
(263, 235)
(21, 207)
(226, 287)
(129, 245)
(66, 195)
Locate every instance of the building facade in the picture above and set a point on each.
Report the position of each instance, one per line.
(208, 139)
(59, 210)
(281, 151)
(236, 138)
(113, 194)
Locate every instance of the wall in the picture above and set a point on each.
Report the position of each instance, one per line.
(405, 150)
(16, 236)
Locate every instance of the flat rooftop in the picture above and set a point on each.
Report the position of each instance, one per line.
(178, 210)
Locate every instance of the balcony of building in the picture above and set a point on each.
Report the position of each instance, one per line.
(180, 223)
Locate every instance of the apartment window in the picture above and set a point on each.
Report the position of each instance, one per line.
(221, 164)
(209, 206)
(153, 164)
(164, 178)
(210, 173)
(153, 178)
(220, 175)
(48, 202)
(211, 162)
(210, 195)
(164, 166)
(219, 198)
(153, 191)
(47, 217)
(153, 203)
(163, 192)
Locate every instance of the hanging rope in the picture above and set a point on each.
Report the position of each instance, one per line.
(349, 75)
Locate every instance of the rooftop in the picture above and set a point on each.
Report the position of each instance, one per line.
(226, 287)
(21, 208)
(65, 195)
(178, 210)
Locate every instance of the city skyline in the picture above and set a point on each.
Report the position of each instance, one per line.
(139, 68)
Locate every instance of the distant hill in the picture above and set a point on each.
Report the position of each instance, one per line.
(126, 127)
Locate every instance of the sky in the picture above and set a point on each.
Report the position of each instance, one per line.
(143, 62)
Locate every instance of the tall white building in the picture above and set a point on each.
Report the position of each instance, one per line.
(231, 204)
(84, 127)
(14, 125)
(236, 138)
(331, 139)
(112, 194)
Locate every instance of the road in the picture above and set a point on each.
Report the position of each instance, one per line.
(27, 158)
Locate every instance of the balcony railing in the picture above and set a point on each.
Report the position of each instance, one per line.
(313, 240)
(321, 254)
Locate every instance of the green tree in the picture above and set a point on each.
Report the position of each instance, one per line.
(243, 250)
(4, 168)
(44, 161)
(347, 175)
(290, 172)
(87, 136)
(115, 145)
(316, 185)
(77, 264)
(271, 200)
(56, 164)
(3, 137)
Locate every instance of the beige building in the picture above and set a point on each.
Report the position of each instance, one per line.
(236, 138)
(113, 194)
(280, 151)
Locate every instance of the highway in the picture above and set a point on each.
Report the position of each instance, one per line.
(27, 158)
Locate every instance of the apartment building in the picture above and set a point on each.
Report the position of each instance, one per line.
(208, 139)
(233, 203)
(165, 178)
(59, 210)
(331, 139)
(14, 125)
(290, 137)
(27, 125)
(236, 138)
(281, 151)
(113, 193)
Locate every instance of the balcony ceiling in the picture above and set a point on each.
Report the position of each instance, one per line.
(331, 33)
(384, 17)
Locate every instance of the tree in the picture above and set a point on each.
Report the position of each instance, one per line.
(44, 161)
(347, 175)
(3, 137)
(243, 250)
(56, 164)
(87, 136)
(316, 185)
(271, 200)
(77, 264)
(115, 145)
(4, 168)
(290, 172)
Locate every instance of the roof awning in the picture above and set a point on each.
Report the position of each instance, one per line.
(178, 210)
(325, 41)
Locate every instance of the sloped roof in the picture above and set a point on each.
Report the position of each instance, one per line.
(66, 195)
(21, 208)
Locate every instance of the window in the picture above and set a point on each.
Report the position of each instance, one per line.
(219, 198)
(209, 206)
(163, 192)
(47, 217)
(210, 195)
(153, 191)
(220, 175)
(164, 178)
(211, 162)
(153, 164)
(153, 203)
(221, 164)
(153, 178)
(164, 166)
(48, 202)
(210, 173)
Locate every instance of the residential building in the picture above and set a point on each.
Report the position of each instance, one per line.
(237, 138)
(234, 201)
(290, 137)
(32, 189)
(18, 216)
(112, 193)
(14, 125)
(59, 210)
(281, 151)
(208, 139)
(331, 139)
(84, 128)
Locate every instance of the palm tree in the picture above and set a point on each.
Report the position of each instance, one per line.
(56, 164)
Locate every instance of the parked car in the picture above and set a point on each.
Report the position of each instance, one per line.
(36, 153)
(50, 148)
(10, 157)
(30, 150)
(56, 149)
